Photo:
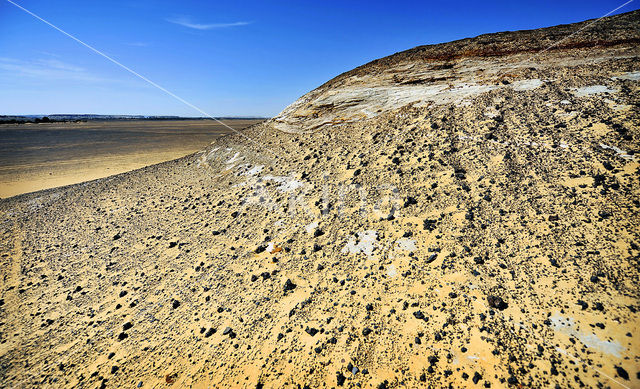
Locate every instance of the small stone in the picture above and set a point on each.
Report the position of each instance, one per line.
(622, 373)
(497, 302)
(175, 304)
(288, 285)
(366, 331)
(409, 201)
(126, 326)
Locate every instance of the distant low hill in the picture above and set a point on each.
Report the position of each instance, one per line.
(16, 119)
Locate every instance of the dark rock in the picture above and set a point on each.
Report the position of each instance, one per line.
(340, 378)
(366, 331)
(497, 302)
(429, 224)
(605, 214)
(288, 285)
(432, 257)
(175, 304)
(311, 331)
(126, 326)
(476, 378)
(210, 332)
(622, 373)
(410, 201)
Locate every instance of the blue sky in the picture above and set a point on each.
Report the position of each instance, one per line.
(230, 58)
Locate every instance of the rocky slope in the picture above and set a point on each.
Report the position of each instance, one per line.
(463, 214)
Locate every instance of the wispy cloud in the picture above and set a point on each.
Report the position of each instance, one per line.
(46, 70)
(186, 22)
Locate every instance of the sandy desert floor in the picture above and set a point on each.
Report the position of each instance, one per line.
(459, 215)
(42, 156)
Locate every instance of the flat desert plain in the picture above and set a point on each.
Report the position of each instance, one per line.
(47, 155)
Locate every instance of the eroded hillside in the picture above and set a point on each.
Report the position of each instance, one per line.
(447, 215)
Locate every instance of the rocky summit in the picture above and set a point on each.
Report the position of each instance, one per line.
(455, 215)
